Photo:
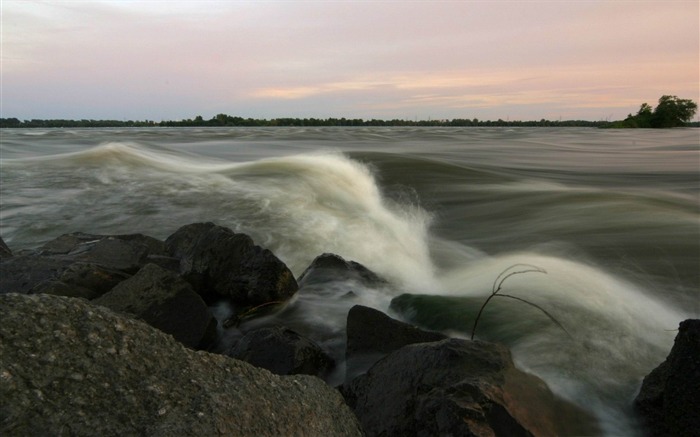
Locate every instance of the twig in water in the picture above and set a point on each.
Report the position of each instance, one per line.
(498, 284)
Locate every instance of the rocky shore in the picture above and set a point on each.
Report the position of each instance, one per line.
(118, 335)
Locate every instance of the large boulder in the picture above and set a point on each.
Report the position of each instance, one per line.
(221, 263)
(282, 351)
(669, 399)
(165, 301)
(458, 387)
(371, 334)
(79, 265)
(72, 368)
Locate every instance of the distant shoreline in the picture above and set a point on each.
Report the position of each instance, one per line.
(223, 120)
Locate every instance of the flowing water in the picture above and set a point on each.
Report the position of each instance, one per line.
(610, 217)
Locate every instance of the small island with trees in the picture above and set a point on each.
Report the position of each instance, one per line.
(670, 112)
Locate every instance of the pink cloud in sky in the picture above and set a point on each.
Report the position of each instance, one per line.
(384, 59)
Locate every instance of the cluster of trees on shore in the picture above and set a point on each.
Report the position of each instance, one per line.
(671, 112)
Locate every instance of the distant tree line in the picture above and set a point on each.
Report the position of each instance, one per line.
(234, 121)
(14, 122)
(227, 120)
(671, 112)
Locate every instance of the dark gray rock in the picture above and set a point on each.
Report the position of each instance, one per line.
(5, 251)
(127, 253)
(21, 274)
(183, 242)
(219, 262)
(80, 265)
(371, 334)
(84, 280)
(330, 268)
(72, 368)
(165, 301)
(282, 351)
(459, 387)
(669, 399)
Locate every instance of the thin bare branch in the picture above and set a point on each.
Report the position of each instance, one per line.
(478, 316)
(498, 284)
(503, 278)
(556, 322)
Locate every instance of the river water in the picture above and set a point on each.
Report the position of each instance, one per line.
(608, 220)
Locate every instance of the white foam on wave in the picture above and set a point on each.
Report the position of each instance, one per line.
(298, 206)
(128, 155)
(136, 155)
(326, 202)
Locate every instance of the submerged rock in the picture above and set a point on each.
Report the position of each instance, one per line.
(165, 301)
(459, 387)
(669, 399)
(219, 262)
(72, 368)
(282, 351)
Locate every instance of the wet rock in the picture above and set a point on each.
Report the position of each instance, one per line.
(458, 387)
(5, 251)
(669, 399)
(167, 302)
(78, 264)
(21, 274)
(371, 334)
(330, 268)
(84, 280)
(127, 253)
(219, 262)
(183, 242)
(282, 351)
(73, 368)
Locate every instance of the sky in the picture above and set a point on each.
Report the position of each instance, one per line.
(513, 60)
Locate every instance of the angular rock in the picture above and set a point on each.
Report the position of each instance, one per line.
(127, 253)
(459, 387)
(219, 262)
(183, 242)
(329, 267)
(282, 351)
(21, 274)
(72, 368)
(371, 334)
(84, 280)
(80, 265)
(5, 251)
(165, 301)
(669, 399)
(371, 331)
